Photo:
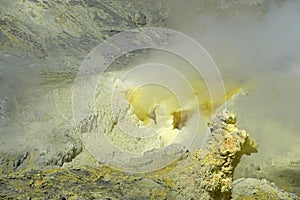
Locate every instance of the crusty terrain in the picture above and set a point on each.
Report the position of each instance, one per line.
(203, 174)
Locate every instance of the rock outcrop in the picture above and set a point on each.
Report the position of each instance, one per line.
(203, 174)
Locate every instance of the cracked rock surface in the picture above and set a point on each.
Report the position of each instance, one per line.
(202, 174)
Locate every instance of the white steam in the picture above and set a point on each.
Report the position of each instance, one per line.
(258, 49)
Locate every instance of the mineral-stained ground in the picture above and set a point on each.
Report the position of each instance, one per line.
(42, 44)
(202, 174)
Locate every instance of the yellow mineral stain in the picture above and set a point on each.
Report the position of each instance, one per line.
(206, 105)
(144, 101)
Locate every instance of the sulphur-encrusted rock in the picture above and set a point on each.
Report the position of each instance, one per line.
(202, 174)
(209, 171)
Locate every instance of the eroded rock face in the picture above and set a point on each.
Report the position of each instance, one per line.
(44, 157)
(203, 174)
(46, 30)
(210, 170)
(50, 39)
(42, 46)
